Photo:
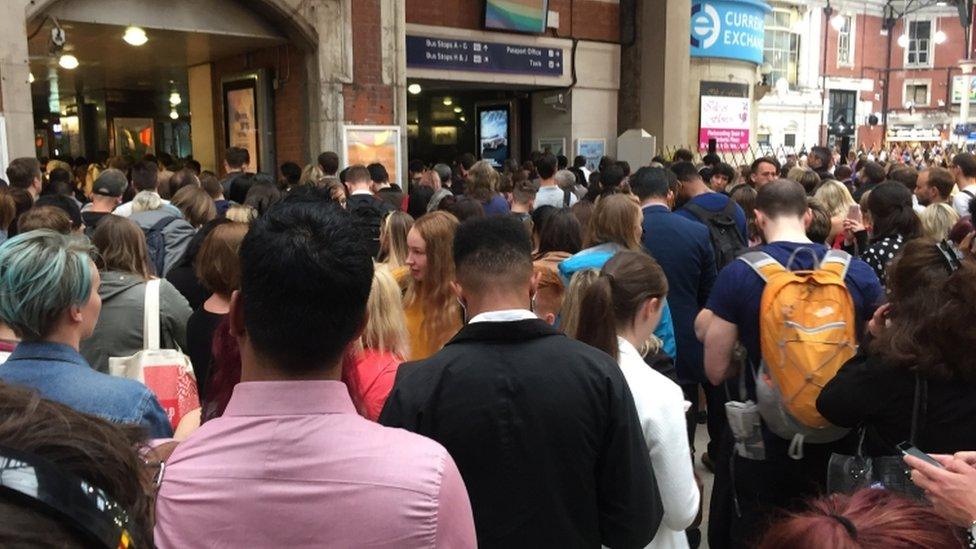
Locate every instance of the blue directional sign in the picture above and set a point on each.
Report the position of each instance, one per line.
(427, 52)
(729, 29)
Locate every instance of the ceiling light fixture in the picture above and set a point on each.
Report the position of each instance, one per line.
(414, 89)
(175, 99)
(448, 101)
(68, 61)
(173, 114)
(458, 110)
(30, 77)
(135, 36)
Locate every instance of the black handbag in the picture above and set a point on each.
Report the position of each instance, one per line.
(848, 474)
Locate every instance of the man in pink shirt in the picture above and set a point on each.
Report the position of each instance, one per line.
(290, 463)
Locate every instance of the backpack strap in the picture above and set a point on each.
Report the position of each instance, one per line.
(698, 211)
(837, 262)
(762, 263)
(150, 319)
(162, 223)
(968, 192)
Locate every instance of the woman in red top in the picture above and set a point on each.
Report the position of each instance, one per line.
(370, 371)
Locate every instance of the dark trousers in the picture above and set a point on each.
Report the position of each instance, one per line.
(747, 494)
(715, 398)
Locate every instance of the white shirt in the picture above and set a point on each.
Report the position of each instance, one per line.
(961, 200)
(553, 196)
(508, 315)
(660, 408)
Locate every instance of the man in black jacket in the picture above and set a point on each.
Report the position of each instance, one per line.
(542, 427)
(368, 210)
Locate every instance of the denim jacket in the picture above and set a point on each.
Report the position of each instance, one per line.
(60, 373)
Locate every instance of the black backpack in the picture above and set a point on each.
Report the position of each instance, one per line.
(726, 239)
(156, 244)
(369, 213)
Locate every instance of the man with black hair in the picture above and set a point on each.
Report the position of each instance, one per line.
(415, 171)
(579, 165)
(723, 175)
(329, 162)
(368, 210)
(550, 194)
(701, 204)
(290, 442)
(386, 190)
(551, 457)
(145, 177)
(683, 155)
(821, 161)
(236, 162)
(869, 175)
(561, 162)
(766, 479)
(683, 249)
(611, 176)
(762, 171)
(964, 166)
(25, 173)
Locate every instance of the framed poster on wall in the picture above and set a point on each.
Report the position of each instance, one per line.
(133, 137)
(368, 144)
(552, 145)
(248, 122)
(593, 150)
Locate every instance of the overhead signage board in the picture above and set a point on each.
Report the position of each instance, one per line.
(957, 86)
(426, 52)
(728, 29)
(725, 116)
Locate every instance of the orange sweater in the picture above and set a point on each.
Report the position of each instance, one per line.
(423, 344)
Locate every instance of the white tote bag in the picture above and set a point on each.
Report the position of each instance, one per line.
(167, 372)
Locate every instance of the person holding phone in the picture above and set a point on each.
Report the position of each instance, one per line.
(949, 486)
(921, 331)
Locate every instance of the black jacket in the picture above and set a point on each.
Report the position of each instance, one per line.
(544, 431)
(868, 392)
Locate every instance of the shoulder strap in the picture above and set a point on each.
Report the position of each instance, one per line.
(698, 211)
(837, 262)
(566, 197)
(730, 208)
(150, 319)
(763, 263)
(162, 223)
(969, 192)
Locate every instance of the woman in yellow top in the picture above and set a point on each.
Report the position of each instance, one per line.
(432, 311)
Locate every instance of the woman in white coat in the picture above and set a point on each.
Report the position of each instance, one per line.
(619, 312)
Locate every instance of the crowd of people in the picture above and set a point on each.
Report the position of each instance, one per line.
(514, 357)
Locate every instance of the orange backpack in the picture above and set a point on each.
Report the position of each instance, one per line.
(807, 332)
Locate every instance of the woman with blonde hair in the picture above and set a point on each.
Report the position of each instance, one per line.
(239, 213)
(432, 310)
(311, 175)
(938, 220)
(569, 317)
(393, 239)
(482, 185)
(616, 225)
(196, 205)
(370, 371)
(836, 198)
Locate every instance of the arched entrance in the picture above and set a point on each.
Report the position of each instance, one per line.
(224, 72)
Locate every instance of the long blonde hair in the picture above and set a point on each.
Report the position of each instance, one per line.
(614, 220)
(482, 183)
(834, 195)
(393, 239)
(441, 310)
(386, 329)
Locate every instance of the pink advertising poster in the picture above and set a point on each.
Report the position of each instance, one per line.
(725, 117)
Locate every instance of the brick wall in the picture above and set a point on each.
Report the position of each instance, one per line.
(583, 19)
(367, 99)
(870, 50)
(290, 116)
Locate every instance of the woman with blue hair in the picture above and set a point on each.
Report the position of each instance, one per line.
(49, 298)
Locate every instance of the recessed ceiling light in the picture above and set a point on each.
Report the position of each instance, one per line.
(173, 114)
(68, 61)
(414, 89)
(135, 36)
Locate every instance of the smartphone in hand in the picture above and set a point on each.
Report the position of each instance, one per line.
(908, 449)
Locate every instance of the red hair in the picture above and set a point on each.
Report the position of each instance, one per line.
(865, 520)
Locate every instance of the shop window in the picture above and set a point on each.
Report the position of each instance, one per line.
(762, 139)
(782, 45)
(845, 42)
(919, 50)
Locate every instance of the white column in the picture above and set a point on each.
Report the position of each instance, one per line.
(15, 92)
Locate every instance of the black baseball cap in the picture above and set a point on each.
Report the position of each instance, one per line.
(111, 182)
